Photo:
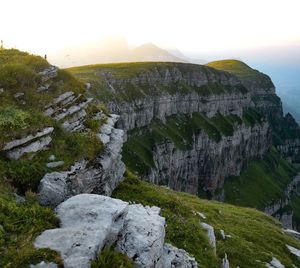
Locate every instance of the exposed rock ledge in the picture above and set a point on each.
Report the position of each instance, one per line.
(99, 176)
(90, 222)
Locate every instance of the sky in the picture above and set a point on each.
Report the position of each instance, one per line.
(192, 26)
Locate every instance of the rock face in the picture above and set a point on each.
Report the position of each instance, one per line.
(100, 175)
(208, 162)
(90, 222)
(175, 89)
(30, 144)
(276, 209)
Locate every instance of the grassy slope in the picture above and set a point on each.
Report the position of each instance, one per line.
(260, 183)
(255, 236)
(21, 223)
(179, 129)
(127, 91)
(241, 70)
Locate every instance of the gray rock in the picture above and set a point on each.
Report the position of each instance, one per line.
(19, 198)
(142, 237)
(44, 265)
(210, 234)
(275, 263)
(225, 262)
(49, 73)
(55, 164)
(1, 90)
(294, 251)
(222, 233)
(18, 95)
(87, 223)
(52, 157)
(53, 189)
(33, 147)
(179, 258)
(15, 143)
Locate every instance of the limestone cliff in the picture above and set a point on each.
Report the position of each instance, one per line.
(148, 95)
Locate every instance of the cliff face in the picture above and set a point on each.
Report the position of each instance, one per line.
(286, 131)
(208, 163)
(148, 96)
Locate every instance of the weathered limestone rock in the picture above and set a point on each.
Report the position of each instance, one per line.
(225, 262)
(274, 263)
(100, 175)
(15, 143)
(55, 164)
(90, 222)
(142, 237)
(210, 234)
(174, 257)
(30, 144)
(49, 73)
(33, 147)
(44, 265)
(294, 251)
(87, 223)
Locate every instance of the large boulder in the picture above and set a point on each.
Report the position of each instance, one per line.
(91, 222)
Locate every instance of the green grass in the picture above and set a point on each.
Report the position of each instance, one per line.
(236, 67)
(180, 130)
(255, 236)
(99, 77)
(260, 183)
(109, 258)
(20, 224)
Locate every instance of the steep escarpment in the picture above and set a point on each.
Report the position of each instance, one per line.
(286, 131)
(188, 126)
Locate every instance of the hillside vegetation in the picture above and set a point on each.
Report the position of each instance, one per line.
(255, 237)
(180, 130)
(116, 81)
(21, 115)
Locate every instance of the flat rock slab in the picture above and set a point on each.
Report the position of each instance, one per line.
(87, 222)
(90, 222)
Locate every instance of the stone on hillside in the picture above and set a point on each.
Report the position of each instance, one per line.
(44, 265)
(275, 263)
(1, 90)
(294, 251)
(15, 143)
(18, 95)
(174, 257)
(142, 237)
(225, 262)
(55, 164)
(49, 73)
(52, 157)
(210, 234)
(33, 147)
(19, 198)
(223, 234)
(88, 222)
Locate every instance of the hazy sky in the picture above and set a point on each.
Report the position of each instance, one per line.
(44, 26)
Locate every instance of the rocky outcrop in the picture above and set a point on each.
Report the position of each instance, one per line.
(69, 110)
(88, 223)
(100, 175)
(31, 144)
(208, 162)
(274, 263)
(277, 208)
(211, 235)
(140, 112)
